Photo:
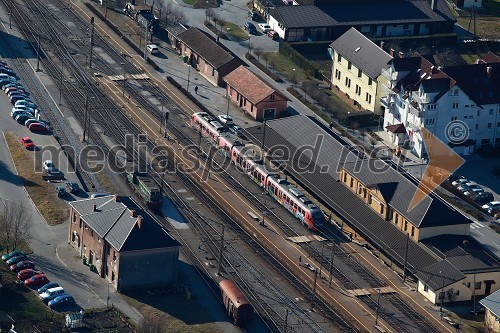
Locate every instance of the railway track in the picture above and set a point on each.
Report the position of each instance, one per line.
(120, 127)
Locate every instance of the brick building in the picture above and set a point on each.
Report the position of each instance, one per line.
(206, 55)
(254, 95)
(125, 244)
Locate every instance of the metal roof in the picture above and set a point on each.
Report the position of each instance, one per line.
(302, 16)
(114, 222)
(492, 303)
(361, 52)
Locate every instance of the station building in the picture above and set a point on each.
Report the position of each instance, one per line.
(125, 244)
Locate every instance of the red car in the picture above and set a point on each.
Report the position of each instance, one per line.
(22, 265)
(27, 143)
(36, 280)
(27, 273)
(37, 127)
(273, 34)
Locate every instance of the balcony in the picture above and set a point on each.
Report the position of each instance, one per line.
(387, 89)
(389, 74)
(415, 110)
(384, 101)
(421, 99)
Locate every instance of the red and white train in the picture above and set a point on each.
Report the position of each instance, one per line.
(244, 158)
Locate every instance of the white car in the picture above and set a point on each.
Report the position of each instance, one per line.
(153, 49)
(223, 119)
(309, 267)
(49, 166)
(490, 206)
(264, 27)
(473, 192)
(466, 186)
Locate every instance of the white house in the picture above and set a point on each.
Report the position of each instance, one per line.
(460, 105)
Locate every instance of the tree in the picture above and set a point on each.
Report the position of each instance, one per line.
(265, 56)
(169, 9)
(215, 19)
(258, 52)
(151, 324)
(178, 16)
(209, 12)
(15, 224)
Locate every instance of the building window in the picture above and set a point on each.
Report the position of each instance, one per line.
(478, 113)
(352, 182)
(272, 97)
(108, 250)
(406, 225)
(467, 284)
(360, 73)
(382, 208)
(477, 285)
(498, 124)
(397, 219)
(477, 126)
(370, 81)
(339, 58)
(349, 65)
(368, 98)
(485, 142)
(430, 121)
(412, 231)
(348, 82)
(455, 118)
(489, 125)
(455, 105)
(491, 112)
(358, 90)
(345, 177)
(92, 233)
(431, 106)
(370, 199)
(455, 92)
(114, 255)
(426, 287)
(337, 74)
(112, 276)
(80, 223)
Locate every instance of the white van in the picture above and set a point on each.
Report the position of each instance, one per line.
(51, 294)
(152, 48)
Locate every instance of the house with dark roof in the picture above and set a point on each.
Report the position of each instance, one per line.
(430, 240)
(329, 20)
(254, 95)
(492, 316)
(206, 55)
(357, 64)
(125, 244)
(420, 94)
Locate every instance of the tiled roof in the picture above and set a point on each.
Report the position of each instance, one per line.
(249, 85)
(490, 57)
(113, 222)
(352, 13)
(205, 47)
(397, 128)
(474, 81)
(362, 52)
(492, 303)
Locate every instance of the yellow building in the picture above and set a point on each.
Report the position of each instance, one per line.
(492, 309)
(356, 69)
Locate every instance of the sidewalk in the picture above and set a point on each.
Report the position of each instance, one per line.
(69, 256)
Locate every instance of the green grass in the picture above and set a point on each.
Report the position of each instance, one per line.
(283, 65)
(189, 2)
(24, 306)
(234, 31)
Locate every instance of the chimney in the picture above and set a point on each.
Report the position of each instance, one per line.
(116, 198)
(94, 208)
(434, 5)
(132, 213)
(392, 52)
(382, 44)
(489, 70)
(401, 54)
(139, 222)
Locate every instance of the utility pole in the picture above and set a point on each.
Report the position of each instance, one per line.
(189, 73)
(331, 265)
(167, 114)
(85, 117)
(145, 43)
(91, 40)
(314, 290)
(262, 146)
(61, 80)
(37, 53)
(286, 322)
(221, 250)
(406, 257)
(321, 260)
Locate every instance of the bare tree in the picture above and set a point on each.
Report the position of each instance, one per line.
(209, 12)
(169, 9)
(15, 225)
(151, 324)
(258, 52)
(265, 56)
(178, 16)
(215, 19)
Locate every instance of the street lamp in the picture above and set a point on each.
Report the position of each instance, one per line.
(189, 73)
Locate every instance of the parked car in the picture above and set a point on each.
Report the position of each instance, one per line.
(36, 280)
(309, 267)
(98, 195)
(254, 15)
(491, 206)
(16, 259)
(14, 91)
(73, 187)
(22, 265)
(264, 27)
(14, 88)
(16, 97)
(9, 255)
(152, 48)
(16, 112)
(51, 293)
(61, 300)
(26, 103)
(235, 129)
(460, 181)
(12, 84)
(49, 166)
(61, 191)
(250, 28)
(38, 127)
(483, 197)
(48, 286)
(473, 191)
(26, 108)
(466, 186)
(27, 273)
(21, 118)
(225, 119)
(273, 35)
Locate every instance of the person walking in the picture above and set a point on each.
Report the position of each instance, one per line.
(196, 90)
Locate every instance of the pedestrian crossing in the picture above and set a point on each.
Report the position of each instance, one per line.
(476, 225)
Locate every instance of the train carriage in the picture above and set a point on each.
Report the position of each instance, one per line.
(237, 305)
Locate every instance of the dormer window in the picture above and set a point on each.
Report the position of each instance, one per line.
(272, 97)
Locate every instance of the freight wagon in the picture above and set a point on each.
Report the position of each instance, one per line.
(146, 188)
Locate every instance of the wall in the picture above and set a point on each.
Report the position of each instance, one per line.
(465, 293)
(369, 102)
(148, 268)
(276, 26)
(492, 322)
(460, 229)
(279, 103)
